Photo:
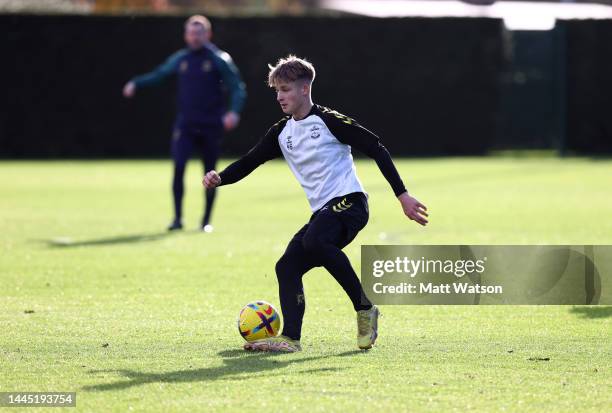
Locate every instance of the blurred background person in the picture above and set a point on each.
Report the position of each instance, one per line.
(204, 74)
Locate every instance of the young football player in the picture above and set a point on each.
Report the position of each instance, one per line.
(316, 142)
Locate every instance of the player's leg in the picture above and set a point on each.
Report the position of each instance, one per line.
(334, 227)
(290, 269)
(210, 154)
(181, 150)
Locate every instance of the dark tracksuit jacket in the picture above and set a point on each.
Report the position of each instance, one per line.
(203, 75)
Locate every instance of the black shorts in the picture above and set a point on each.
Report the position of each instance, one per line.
(352, 210)
(338, 222)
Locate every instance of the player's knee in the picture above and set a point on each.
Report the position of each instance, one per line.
(282, 268)
(179, 169)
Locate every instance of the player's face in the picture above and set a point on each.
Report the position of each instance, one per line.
(291, 95)
(196, 36)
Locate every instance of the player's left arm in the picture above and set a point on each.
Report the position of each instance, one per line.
(237, 90)
(349, 132)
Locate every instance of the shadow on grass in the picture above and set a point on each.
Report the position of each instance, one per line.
(592, 312)
(62, 242)
(235, 363)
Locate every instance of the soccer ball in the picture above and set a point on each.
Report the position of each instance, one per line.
(258, 320)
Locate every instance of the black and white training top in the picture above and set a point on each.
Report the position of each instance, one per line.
(318, 152)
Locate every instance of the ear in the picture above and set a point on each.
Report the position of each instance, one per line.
(306, 89)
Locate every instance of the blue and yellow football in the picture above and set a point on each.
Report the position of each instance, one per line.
(258, 320)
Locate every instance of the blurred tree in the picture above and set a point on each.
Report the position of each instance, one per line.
(206, 6)
(212, 7)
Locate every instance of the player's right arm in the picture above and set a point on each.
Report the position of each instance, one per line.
(156, 76)
(267, 148)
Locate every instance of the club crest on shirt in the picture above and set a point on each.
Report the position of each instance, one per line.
(206, 66)
(314, 132)
(289, 143)
(183, 67)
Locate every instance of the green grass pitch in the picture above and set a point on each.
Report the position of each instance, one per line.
(96, 298)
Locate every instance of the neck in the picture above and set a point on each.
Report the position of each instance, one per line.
(303, 110)
(195, 49)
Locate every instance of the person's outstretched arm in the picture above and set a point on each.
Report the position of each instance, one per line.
(155, 77)
(349, 132)
(267, 148)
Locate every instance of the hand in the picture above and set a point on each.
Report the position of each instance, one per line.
(129, 90)
(413, 208)
(230, 120)
(211, 179)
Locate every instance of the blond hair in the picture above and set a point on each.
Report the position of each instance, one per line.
(199, 19)
(290, 69)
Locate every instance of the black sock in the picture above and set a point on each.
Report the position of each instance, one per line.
(289, 271)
